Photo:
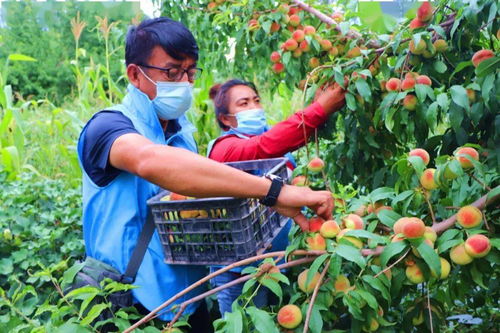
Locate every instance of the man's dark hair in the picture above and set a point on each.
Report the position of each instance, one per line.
(219, 93)
(172, 36)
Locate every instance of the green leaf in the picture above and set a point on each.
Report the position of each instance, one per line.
(70, 273)
(371, 15)
(488, 66)
(365, 234)
(447, 235)
(249, 284)
(363, 89)
(477, 276)
(350, 101)
(316, 322)
(493, 193)
(273, 286)
(234, 322)
(388, 217)
(351, 253)
(430, 257)
(440, 66)
(335, 265)
(262, 321)
(461, 66)
(443, 101)
(459, 96)
(421, 91)
(94, 312)
(448, 245)
(381, 194)
(370, 300)
(378, 285)
(391, 250)
(20, 57)
(315, 267)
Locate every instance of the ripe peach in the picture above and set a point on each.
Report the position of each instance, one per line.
(291, 44)
(342, 284)
(337, 17)
(398, 226)
(422, 153)
(211, 6)
(459, 256)
(304, 46)
(253, 25)
(469, 217)
(325, 44)
(417, 49)
(351, 239)
(413, 228)
(481, 56)
(410, 102)
(381, 208)
(298, 52)
(309, 30)
(445, 269)
(471, 94)
(289, 316)
(464, 161)
(275, 27)
(394, 84)
(294, 20)
(424, 12)
(293, 10)
(298, 35)
(424, 79)
(278, 68)
(354, 52)
(412, 75)
(329, 229)
(408, 83)
(430, 234)
(284, 8)
(275, 57)
(353, 221)
(415, 274)
(440, 45)
(334, 51)
(313, 62)
(176, 196)
(416, 23)
(427, 179)
(299, 181)
(316, 164)
(316, 242)
(477, 246)
(315, 223)
(302, 279)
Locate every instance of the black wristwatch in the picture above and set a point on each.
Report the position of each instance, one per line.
(272, 196)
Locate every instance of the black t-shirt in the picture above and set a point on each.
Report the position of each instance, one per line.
(102, 131)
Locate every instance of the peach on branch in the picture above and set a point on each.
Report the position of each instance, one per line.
(291, 44)
(424, 79)
(408, 83)
(334, 51)
(417, 49)
(372, 326)
(425, 11)
(329, 229)
(427, 179)
(394, 84)
(469, 217)
(342, 284)
(313, 62)
(294, 10)
(297, 53)
(415, 250)
(415, 274)
(316, 242)
(278, 68)
(275, 57)
(350, 239)
(413, 227)
(440, 45)
(211, 6)
(294, 20)
(459, 256)
(289, 316)
(422, 153)
(445, 269)
(471, 94)
(253, 25)
(304, 46)
(477, 246)
(298, 35)
(275, 27)
(302, 279)
(398, 226)
(315, 223)
(464, 161)
(353, 221)
(309, 30)
(481, 56)
(337, 17)
(416, 23)
(381, 208)
(325, 44)
(354, 52)
(316, 164)
(430, 234)
(410, 102)
(299, 181)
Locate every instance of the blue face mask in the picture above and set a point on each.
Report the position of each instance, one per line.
(172, 99)
(251, 122)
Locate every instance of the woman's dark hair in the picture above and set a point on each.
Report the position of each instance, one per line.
(219, 94)
(172, 36)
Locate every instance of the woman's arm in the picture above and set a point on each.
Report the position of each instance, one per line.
(285, 136)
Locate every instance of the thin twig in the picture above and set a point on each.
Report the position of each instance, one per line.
(392, 265)
(429, 308)
(480, 182)
(430, 208)
(314, 295)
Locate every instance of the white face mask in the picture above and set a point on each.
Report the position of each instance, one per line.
(172, 99)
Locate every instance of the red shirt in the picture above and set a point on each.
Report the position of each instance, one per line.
(284, 137)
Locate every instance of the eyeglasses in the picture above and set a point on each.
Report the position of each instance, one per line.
(176, 73)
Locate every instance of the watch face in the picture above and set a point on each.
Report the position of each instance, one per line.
(273, 177)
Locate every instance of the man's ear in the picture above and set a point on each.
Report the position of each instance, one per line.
(133, 75)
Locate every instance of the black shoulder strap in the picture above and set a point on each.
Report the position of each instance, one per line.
(140, 249)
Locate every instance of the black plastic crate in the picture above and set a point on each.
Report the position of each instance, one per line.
(218, 231)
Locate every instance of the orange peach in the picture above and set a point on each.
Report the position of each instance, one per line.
(424, 79)
(302, 279)
(440, 45)
(471, 153)
(469, 217)
(427, 179)
(313, 62)
(289, 316)
(477, 246)
(459, 256)
(342, 284)
(422, 153)
(394, 84)
(410, 102)
(316, 164)
(329, 229)
(353, 221)
(354, 52)
(316, 242)
(481, 56)
(415, 274)
(413, 228)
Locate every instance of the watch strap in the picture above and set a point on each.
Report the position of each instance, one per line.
(274, 191)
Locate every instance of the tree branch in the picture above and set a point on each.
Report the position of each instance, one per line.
(314, 295)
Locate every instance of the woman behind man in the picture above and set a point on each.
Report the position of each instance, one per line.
(246, 136)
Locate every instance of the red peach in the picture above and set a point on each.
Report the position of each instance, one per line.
(353, 221)
(408, 83)
(325, 44)
(427, 179)
(316, 242)
(410, 102)
(294, 20)
(298, 35)
(177, 196)
(334, 51)
(316, 164)
(313, 62)
(253, 25)
(416, 23)
(278, 68)
(329, 229)
(464, 161)
(422, 153)
(424, 79)
(337, 17)
(291, 44)
(413, 228)
(480, 56)
(299, 181)
(275, 57)
(424, 12)
(309, 30)
(289, 316)
(297, 53)
(304, 46)
(315, 223)
(469, 217)
(477, 246)
(394, 84)
(275, 27)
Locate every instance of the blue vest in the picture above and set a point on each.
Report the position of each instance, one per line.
(113, 215)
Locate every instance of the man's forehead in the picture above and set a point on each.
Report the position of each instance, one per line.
(161, 58)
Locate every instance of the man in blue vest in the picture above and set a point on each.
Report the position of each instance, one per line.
(128, 151)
